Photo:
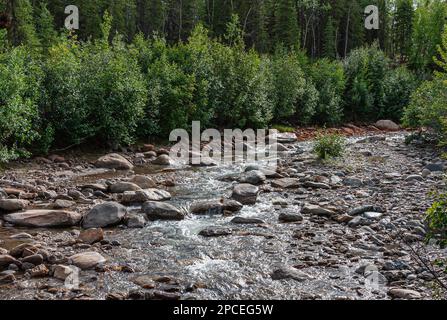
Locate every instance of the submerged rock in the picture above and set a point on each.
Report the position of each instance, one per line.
(215, 232)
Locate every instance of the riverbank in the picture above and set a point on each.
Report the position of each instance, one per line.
(310, 230)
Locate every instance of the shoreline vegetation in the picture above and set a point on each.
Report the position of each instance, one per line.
(107, 89)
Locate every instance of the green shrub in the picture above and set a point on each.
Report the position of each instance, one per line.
(329, 146)
(20, 89)
(283, 128)
(436, 219)
(328, 77)
(398, 84)
(428, 106)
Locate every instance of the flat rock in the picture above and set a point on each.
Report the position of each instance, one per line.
(114, 161)
(290, 273)
(43, 218)
(404, 293)
(104, 215)
(143, 182)
(142, 196)
(210, 232)
(286, 183)
(87, 260)
(162, 160)
(316, 185)
(317, 210)
(162, 211)
(242, 220)
(290, 217)
(91, 236)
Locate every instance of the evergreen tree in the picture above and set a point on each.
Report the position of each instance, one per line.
(402, 28)
(45, 27)
(286, 25)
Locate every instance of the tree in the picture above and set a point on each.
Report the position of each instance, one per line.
(402, 28)
(285, 27)
(45, 27)
(23, 29)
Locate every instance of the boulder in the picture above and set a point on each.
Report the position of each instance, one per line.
(121, 187)
(387, 125)
(245, 193)
(104, 215)
(43, 218)
(87, 260)
(11, 205)
(162, 211)
(142, 196)
(114, 161)
(252, 177)
(143, 182)
(162, 160)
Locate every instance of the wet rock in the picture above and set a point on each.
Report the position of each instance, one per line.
(387, 125)
(162, 160)
(121, 187)
(104, 215)
(414, 177)
(215, 207)
(145, 281)
(145, 195)
(94, 187)
(135, 221)
(352, 182)
(43, 218)
(286, 183)
(61, 272)
(242, 220)
(143, 182)
(286, 137)
(19, 250)
(425, 173)
(11, 205)
(91, 236)
(7, 279)
(75, 194)
(114, 161)
(373, 215)
(245, 193)
(254, 177)
(404, 293)
(87, 260)
(3, 194)
(317, 210)
(290, 217)
(39, 271)
(162, 211)
(148, 147)
(3, 251)
(290, 273)
(434, 167)
(211, 232)
(358, 221)
(363, 209)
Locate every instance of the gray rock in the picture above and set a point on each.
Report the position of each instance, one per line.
(433, 167)
(162, 160)
(43, 218)
(373, 215)
(63, 204)
(252, 177)
(6, 260)
(35, 259)
(363, 209)
(162, 211)
(316, 185)
(317, 210)
(242, 220)
(11, 205)
(143, 182)
(290, 273)
(414, 177)
(404, 293)
(290, 217)
(352, 182)
(425, 173)
(215, 232)
(387, 125)
(104, 215)
(61, 272)
(135, 221)
(245, 193)
(286, 183)
(114, 161)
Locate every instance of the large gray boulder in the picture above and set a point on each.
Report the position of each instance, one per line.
(104, 215)
(387, 125)
(43, 218)
(245, 193)
(114, 161)
(162, 211)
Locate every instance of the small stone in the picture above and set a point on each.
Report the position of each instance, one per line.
(317, 210)
(414, 177)
(121, 187)
(404, 293)
(242, 220)
(162, 160)
(87, 260)
(316, 185)
(161, 211)
(143, 182)
(373, 215)
(286, 183)
(35, 259)
(43, 218)
(215, 232)
(63, 204)
(39, 271)
(434, 167)
(425, 173)
(7, 279)
(135, 221)
(290, 217)
(61, 272)
(114, 161)
(387, 125)
(11, 205)
(6, 260)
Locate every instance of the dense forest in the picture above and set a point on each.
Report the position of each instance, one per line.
(140, 68)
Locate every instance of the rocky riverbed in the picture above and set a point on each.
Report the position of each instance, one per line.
(137, 225)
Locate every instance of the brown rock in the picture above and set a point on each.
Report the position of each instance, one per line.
(91, 236)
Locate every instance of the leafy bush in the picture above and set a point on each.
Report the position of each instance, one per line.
(329, 146)
(282, 128)
(436, 219)
(20, 83)
(328, 77)
(289, 84)
(398, 84)
(428, 106)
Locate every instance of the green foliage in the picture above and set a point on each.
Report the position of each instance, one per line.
(399, 84)
(20, 81)
(436, 219)
(328, 77)
(328, 146)
(283, 128)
